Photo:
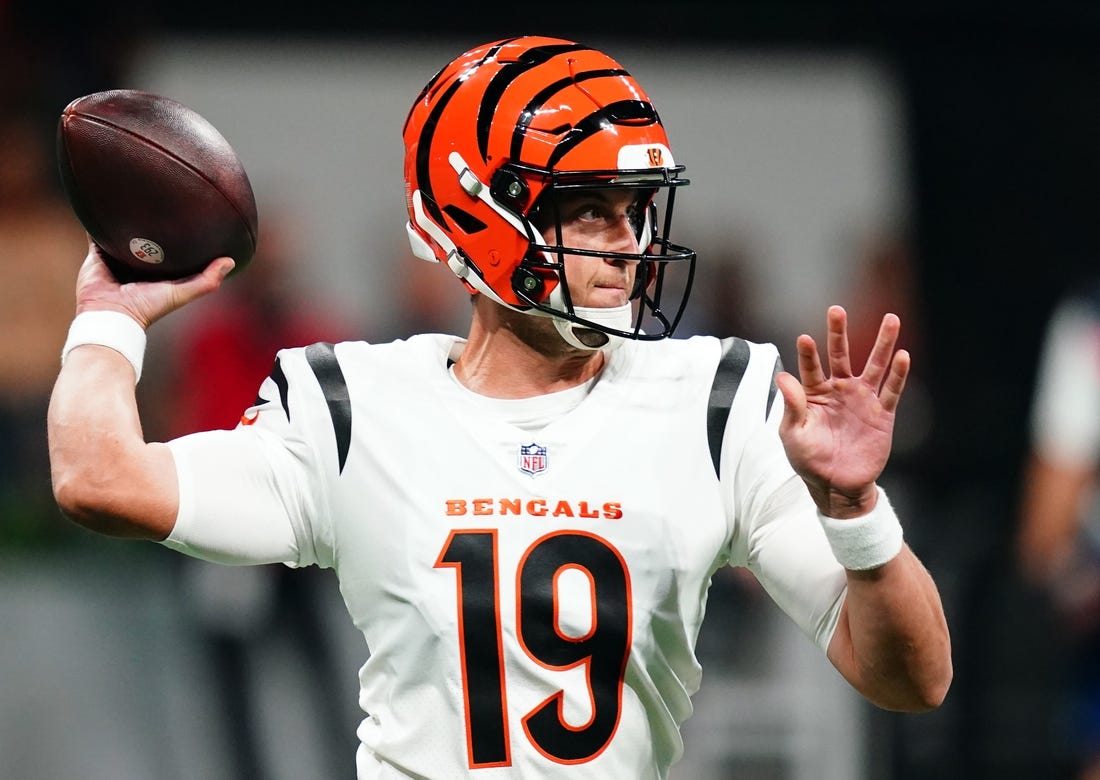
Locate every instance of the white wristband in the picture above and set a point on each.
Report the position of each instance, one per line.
(108, 329)
(861, 543)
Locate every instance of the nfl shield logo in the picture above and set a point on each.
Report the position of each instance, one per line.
(532, 458)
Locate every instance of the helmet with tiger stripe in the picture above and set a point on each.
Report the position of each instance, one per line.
(502, 129)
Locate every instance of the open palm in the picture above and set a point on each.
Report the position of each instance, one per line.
(838, 429)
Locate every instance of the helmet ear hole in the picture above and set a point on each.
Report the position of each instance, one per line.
(509, 189)
(528, 283)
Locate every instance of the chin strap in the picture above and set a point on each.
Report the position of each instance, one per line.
(617, 317)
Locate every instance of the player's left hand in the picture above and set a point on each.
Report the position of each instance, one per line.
(838, 430)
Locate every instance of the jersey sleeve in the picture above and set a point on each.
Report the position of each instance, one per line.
(776, 533)
(257, 493)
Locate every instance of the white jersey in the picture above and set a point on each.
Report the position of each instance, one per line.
(530, 598)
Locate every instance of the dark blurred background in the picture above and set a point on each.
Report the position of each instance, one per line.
(1001, 107)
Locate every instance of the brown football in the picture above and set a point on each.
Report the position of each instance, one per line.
(156, 186)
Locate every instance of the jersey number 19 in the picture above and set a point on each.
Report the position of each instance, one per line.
(603, 650)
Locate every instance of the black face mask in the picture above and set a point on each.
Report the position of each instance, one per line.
(543, 269)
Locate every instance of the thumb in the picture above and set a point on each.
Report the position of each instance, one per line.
(210, 279)
(794, 398)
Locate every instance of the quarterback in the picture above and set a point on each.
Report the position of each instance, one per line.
(525, 520)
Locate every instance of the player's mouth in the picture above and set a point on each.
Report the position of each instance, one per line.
(608, 294)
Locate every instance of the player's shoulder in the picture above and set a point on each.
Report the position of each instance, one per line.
(701, 355)
(324, 374)
(385, 359)
(733, 372)
(314, 386)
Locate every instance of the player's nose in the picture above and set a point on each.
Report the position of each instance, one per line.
(621, 237)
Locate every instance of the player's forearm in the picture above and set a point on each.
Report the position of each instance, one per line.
(893, 643)
(105, 476)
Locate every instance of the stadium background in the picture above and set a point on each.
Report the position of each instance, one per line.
(819, 136)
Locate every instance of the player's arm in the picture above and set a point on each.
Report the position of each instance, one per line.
(891, 642)
(105, 475)
(882, 627)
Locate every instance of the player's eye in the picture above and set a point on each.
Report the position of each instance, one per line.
(589, 213)
(634, 214)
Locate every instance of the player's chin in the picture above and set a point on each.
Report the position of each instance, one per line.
(605, 298)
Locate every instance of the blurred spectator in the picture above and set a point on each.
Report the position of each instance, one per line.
(1058, 543)
(39, 237)
(222, 352)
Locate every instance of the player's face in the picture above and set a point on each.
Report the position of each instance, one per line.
(604, 220)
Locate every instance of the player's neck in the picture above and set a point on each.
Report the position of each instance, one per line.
(513, 355)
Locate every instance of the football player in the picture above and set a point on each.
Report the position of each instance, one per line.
(525, 520)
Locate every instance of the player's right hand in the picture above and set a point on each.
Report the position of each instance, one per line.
(145, 302)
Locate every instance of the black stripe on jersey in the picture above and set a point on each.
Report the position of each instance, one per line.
(279, 378)
(774, 388)
(504, 77)
(727, 378)
(322, 359)
(620, 112)
(531, 109)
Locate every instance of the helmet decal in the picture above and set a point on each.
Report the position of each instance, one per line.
(531, 109)
(529, 59)
(622, 112)
(423, 158)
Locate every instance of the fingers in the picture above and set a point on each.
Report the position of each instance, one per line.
(93, 268)
(886, 371)
(878, 362)
(809, 363)
(891, 391)
(840, 364)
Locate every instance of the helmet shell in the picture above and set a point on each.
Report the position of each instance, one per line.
(516, 113)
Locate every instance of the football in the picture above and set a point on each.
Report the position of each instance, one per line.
(155, 185)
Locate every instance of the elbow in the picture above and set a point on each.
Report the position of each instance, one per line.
(933, 692)
(937, 673)
(922, 692)
(91, 504)
(77, 500)
(113, 502)
(940, 694)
